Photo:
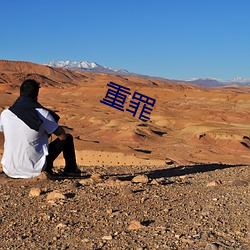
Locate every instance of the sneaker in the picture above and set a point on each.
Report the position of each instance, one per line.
(74, 171)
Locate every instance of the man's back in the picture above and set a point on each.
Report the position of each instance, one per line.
(25, 149)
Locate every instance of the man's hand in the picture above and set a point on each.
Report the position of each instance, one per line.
(60, 133)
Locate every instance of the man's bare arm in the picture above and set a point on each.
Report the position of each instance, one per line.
(60, 133)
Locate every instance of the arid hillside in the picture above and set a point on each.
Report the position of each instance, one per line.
(187, 125)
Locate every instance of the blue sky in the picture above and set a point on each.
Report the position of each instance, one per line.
(175, 39)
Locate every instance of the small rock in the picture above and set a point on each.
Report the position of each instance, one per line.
(205, 213)
(112, 179)
(183, 177)
(140, 179)
(109, 211)
(124, 183)
(196, 236)
(167, 210)
(154, 182)
(211, 246)
(43, 176)
(46, 217)
(60, 225)
(85, 240)
(107, 237)
(35, 192)
(85, 181)
(239, 183)
(143, 199)
(97, 178)
(54, 195)
(134, 225)
(127, 191)
(214, 183)
(177, 236)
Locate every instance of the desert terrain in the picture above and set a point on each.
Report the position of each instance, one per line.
(177, 181)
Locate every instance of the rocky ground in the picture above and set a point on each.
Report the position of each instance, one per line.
(153, 207)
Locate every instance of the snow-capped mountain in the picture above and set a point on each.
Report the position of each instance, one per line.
(70, 65)
(240, 80)
(94, 67)
(86, 66)
(213, 82)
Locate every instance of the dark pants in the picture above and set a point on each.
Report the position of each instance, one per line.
(67, 147)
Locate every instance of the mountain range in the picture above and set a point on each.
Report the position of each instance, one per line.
(94, 67)
(86, 66)
(213, 82)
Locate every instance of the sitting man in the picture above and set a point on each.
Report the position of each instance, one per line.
(27, 126)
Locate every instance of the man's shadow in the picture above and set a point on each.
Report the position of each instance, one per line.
(180, 171)
(186, 170)
(159, 173)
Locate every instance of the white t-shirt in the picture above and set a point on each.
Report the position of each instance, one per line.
(25, 149)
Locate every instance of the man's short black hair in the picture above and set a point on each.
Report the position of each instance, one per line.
(29, 88)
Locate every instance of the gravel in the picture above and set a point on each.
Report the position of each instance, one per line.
(107, 209)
